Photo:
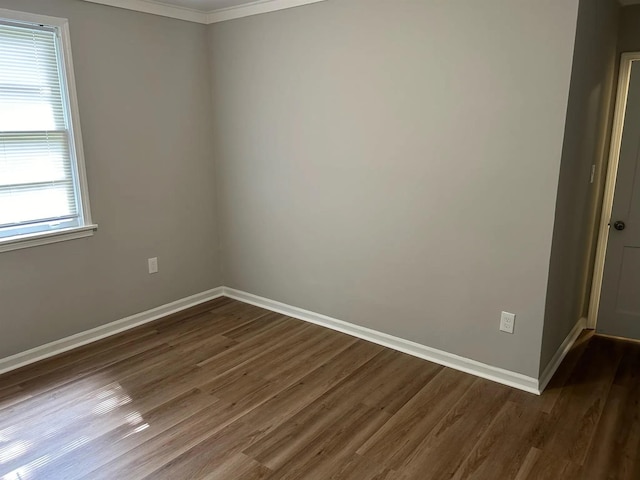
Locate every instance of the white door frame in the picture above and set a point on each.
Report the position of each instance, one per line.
(610, 185)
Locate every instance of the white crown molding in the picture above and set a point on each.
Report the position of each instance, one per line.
(254, 8)
(197, 16)
(156, 8)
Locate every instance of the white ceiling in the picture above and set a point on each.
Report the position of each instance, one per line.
(205, 11)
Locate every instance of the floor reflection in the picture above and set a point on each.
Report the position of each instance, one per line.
(75, 423)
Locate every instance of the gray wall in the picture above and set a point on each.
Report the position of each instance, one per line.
(586, 143)
(395, 164)
(629, 37)
(143, 87)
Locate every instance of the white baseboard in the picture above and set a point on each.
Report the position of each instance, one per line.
(98, 333)
(500, 375)
(505, 377)
(557, 359)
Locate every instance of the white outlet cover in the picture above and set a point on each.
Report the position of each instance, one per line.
(507, 322)
(153, 265)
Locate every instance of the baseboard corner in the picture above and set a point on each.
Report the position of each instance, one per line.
(560, 354)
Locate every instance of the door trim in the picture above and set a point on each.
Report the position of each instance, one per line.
(610, 186)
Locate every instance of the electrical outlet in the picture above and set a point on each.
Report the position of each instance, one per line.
(153, 265)
(507, 322)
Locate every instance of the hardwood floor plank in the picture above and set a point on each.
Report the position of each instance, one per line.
(76, 393)
(332, 445)
(121, 341)
(201, 350)
(183, 376)
(444, 448)
(203, 463)
(159, 450)
(377, 383)
(239, 467)
(238, 310)
(296, 397)
(528, 464)
(264, 377)
(577, 411)
(71, 365)
(259, 345)
(359, 468)
(230, 391)
(616, 442)
(211, 326)
(502, 450)
(276, 448)
(258, 422)
(395, 442)
(540, 465)
(392, 383)
(230, 428)
(112, 409)
(43, 378)
(13, 395)
(80, 457)
(249, 330)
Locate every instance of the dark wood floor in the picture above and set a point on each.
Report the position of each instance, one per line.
(229, 391)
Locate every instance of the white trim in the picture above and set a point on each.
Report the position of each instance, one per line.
(75, 130)
(562, 351)
(25, 17)
(157, 8)
(54, 236)
(254, 8)
(505, 377)
(72, 115)
(610, 186)
(60, 346)
(473, 367)
(622, 339)
(198, 16)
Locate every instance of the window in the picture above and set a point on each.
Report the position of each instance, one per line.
(43, 195)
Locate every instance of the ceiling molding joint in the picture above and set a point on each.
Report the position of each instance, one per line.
(199, 16)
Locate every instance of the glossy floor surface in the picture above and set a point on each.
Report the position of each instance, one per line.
(229, 391)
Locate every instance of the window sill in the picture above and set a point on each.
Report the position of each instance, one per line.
(37, 239)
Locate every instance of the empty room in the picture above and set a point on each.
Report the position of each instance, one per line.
(319, 239)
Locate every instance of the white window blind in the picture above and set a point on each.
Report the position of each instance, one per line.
(39, 188)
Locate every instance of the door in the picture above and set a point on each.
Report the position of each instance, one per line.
(619, 312)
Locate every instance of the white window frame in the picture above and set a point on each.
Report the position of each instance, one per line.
(86, 227)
